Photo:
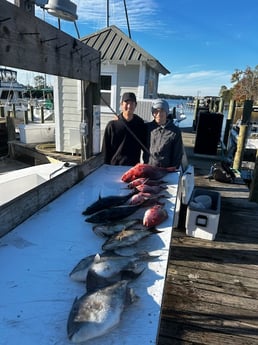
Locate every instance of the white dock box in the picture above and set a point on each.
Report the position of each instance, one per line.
(37, 133)
(202, 222)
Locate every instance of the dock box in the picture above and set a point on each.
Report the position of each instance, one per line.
(202, 222)
(37, 133)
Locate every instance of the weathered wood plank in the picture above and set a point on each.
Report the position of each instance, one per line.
(58, 53)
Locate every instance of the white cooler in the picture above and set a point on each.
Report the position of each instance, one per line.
(203, 222)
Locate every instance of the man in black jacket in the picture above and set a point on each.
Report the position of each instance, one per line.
(125, 137)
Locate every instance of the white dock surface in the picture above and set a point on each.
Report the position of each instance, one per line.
(37, 257)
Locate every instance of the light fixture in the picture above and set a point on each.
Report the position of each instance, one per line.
(63, 9)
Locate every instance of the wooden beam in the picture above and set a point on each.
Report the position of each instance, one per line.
(31, 44)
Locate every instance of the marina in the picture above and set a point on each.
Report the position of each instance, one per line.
(196, 290)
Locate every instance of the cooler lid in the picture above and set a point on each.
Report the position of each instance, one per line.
(187, 184)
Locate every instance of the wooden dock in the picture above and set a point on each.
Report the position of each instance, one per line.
(211, 294)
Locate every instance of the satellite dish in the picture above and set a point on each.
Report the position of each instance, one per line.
(63, 9)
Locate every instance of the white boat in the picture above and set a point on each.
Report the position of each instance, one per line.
(11, 92)
(12, 98)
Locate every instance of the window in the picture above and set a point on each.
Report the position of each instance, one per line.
(105, 89)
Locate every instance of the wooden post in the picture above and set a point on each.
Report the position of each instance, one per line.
(2, 111)
(14, 110)
(32, 113)
(230, 118)
(247, 111)
(221, 105)
(26, 118)
(196, 109)
(42, 114)
(253, 196)
(10, 123)
(240, 147)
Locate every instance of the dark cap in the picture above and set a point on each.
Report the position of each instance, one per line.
(129, 96)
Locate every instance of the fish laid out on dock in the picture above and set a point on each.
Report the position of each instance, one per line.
(154, 216)
(109, 229)
(94, 314)
(113, 213)
(107, 202)
(128, 237)
(145, 188)
(143, 180)
(105, 264)
(111, 268)
(146, 171)
(142, 196)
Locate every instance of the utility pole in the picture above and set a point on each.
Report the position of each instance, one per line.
(107, 13)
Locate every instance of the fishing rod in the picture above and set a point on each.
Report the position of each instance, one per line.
(129, 129)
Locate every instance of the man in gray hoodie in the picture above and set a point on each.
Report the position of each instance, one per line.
(164, 138)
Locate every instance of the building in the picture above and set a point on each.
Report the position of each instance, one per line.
(125, 66)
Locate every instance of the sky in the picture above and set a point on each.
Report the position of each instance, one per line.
(200, 42)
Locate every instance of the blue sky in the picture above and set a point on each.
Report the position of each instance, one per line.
(200, 42)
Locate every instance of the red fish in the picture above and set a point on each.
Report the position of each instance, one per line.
(143, 180)
(154, 216)
(141, 197)
(146, 171)
(150, 189)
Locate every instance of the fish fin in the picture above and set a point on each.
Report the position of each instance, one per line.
(96, 258)
(131, 297)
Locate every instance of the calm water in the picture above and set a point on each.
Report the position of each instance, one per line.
(181, 106)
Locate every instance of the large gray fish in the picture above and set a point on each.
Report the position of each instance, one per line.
(80, 271)
(114, 213)
(128, 237)
(108, 269)
(107, 202)
(109, 229)
(94, 314)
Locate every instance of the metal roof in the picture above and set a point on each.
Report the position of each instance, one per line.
(117, 47)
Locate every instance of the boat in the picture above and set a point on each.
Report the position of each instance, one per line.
(15, 97)
(177, 114)
(11, 91)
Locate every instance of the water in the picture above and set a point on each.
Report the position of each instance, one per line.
(181, 106)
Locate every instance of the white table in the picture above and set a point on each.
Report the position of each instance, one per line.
(37, 256)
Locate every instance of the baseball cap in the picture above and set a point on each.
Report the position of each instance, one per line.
(160, 104)
(129, 96)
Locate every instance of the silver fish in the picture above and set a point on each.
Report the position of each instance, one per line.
(128, 237)
(109, 229)
(80, 271)
(94, 314)
(108, 269)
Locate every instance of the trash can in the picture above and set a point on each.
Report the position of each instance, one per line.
(208, 133)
